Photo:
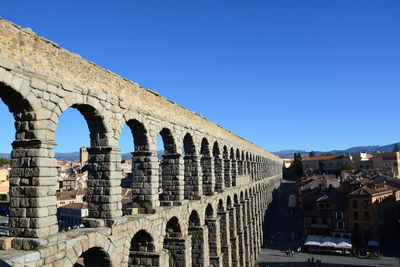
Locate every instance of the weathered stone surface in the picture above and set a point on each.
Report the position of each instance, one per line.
(38, 82)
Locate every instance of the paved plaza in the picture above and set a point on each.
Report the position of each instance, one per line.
(281, 225)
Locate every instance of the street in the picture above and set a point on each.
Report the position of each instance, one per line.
(280, 230)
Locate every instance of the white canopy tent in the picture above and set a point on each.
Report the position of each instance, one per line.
(313, 240)
(328, 242)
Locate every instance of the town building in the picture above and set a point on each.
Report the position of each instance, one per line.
(324, 164)
(69, 197)
(362, 160)
(83, 156)
(70, 215)
(387, 160)
(369, 208)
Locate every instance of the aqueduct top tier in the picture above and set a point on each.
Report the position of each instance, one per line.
(36, 56)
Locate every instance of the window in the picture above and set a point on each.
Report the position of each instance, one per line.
(340, 225)
(313, 221)
(355, 204)
(366, 216)
(356, 227)
(328, 205)
(365, 204)
(324, 221)
(339, 215)
(321, 205)
(355, 215)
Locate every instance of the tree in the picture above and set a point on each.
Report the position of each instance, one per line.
(311, 154)
(347, 167)
(296, 165)
(396, 148)
(4, 161)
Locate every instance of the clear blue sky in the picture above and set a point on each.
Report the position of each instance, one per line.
(314, 75)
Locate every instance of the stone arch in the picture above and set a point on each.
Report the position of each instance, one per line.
(239, 162)
(192, 176)
(103, 193)
(218, 168)
(243, 163)
(96, 256)
(234, 244)
(194, 219)
(247, 166)
(26, 138)
(142, 241)
(207, 167)
(227, 167)
(213, 224)
(170, 176)
(234, 166)
(209, 212)
(175, 244)
(142, 250)
(225, 233)
(169, 141)
(139, 134)
(198, 238)
(144, 166)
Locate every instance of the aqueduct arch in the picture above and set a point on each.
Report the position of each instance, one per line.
(211, 180)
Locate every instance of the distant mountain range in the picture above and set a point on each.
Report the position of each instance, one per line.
(356, 149)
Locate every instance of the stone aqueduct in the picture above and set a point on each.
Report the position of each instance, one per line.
(216, 185)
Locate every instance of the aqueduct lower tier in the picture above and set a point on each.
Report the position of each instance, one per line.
(215, 185)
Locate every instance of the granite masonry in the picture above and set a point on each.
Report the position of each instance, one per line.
(202, 205)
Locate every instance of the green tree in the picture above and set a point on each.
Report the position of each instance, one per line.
(396, 148)
(311, 154)
(347, 167)
(296, 166)
(4, 161)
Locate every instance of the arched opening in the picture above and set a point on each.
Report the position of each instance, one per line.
(214, 246)
(234, 167)
(141, 252)
(170, 182)
(175, 244)
(240, 227)
(83, 186)
(198, 245)
(233, 231)
(192, 177)
(227, 167)
(218, 168)
(246, 224)
(94, 257)
(239, 162)
(224, 231)
(247, 166)
(207, 167)
(14, 126)
(244, 169)
(138, 169)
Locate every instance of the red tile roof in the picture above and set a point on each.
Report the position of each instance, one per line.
(75, 206)
(323, 157)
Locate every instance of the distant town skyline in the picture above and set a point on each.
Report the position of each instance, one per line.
(282, 74)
